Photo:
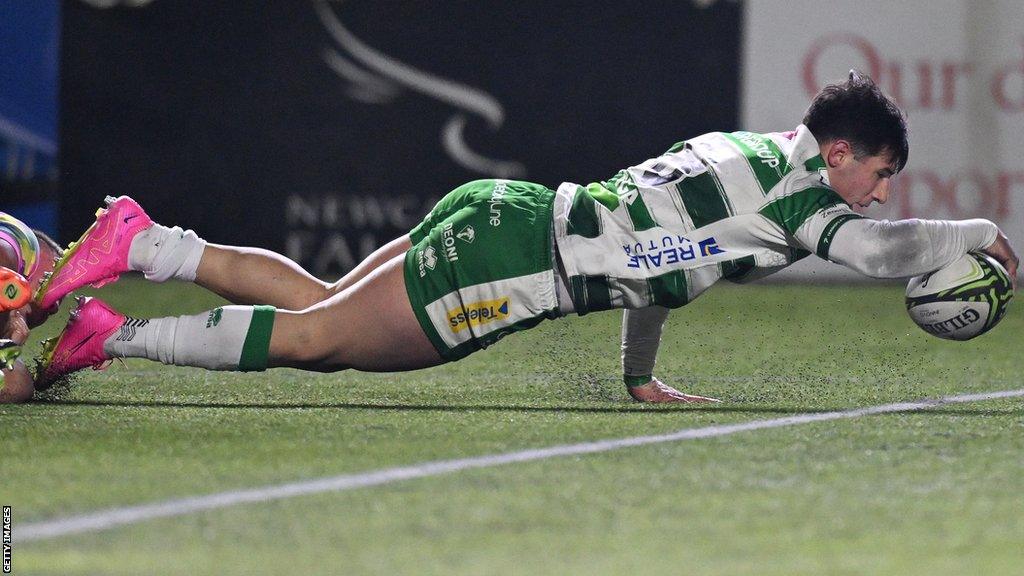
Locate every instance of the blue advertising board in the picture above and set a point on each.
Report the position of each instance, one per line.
(29, 51)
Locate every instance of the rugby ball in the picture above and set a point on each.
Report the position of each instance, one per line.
(962, 300)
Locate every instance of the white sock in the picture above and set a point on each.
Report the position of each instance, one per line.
(226, 338)
(161, 253)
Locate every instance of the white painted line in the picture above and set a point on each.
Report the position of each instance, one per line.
(113, 517)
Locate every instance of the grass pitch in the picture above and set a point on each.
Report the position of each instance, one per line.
(935, 492)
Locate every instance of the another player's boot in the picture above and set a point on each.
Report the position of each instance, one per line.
(80, 345)
(100, 255)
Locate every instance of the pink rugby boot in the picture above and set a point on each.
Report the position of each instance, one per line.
(100, 255)
(80, 344)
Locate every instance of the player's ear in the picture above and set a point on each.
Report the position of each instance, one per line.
(837, 152)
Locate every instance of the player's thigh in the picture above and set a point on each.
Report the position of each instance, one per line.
(380, 256)
(370, 326)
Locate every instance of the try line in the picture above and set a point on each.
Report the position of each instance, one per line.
(113, 517)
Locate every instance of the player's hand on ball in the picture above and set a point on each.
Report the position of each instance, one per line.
(1004, 254)
(657, 391)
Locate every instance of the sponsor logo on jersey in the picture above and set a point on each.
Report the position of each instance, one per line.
(622, 186)
(671, 250)
(478, 314)
(834, 209)
(427, 259)
(467, 234)
(709, 247)
(451, 254)
(496, 202)
(759, 144)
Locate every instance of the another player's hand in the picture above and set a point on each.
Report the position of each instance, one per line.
(16, 385)
(14, 327)
(656, 391)
(1004, 254)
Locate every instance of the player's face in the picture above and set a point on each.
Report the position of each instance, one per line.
(860, 181)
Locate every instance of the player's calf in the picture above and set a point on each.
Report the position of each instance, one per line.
(227, 338)
(308, 340)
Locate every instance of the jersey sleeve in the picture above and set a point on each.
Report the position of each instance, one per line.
(641, 338)
(895, 249)
(810, 217)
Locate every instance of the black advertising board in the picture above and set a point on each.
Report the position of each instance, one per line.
(324, 129)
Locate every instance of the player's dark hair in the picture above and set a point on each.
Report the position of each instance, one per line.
(48, 241)
(858, 111)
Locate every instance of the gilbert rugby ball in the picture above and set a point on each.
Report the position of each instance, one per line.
(962, 300)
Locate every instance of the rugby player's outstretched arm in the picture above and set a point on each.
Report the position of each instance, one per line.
(901, 248)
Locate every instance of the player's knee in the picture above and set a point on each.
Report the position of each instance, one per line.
(306, 340)
(315, 295)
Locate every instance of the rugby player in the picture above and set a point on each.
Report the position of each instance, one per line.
(498, 256)
(25, 256)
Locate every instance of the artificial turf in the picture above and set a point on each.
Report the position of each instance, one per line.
(934, 492)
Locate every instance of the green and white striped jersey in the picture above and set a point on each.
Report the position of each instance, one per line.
(738, 206)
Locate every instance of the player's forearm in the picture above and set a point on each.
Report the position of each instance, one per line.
(641, 336)
(894, 249)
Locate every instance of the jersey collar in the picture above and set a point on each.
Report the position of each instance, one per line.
(807, 152)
